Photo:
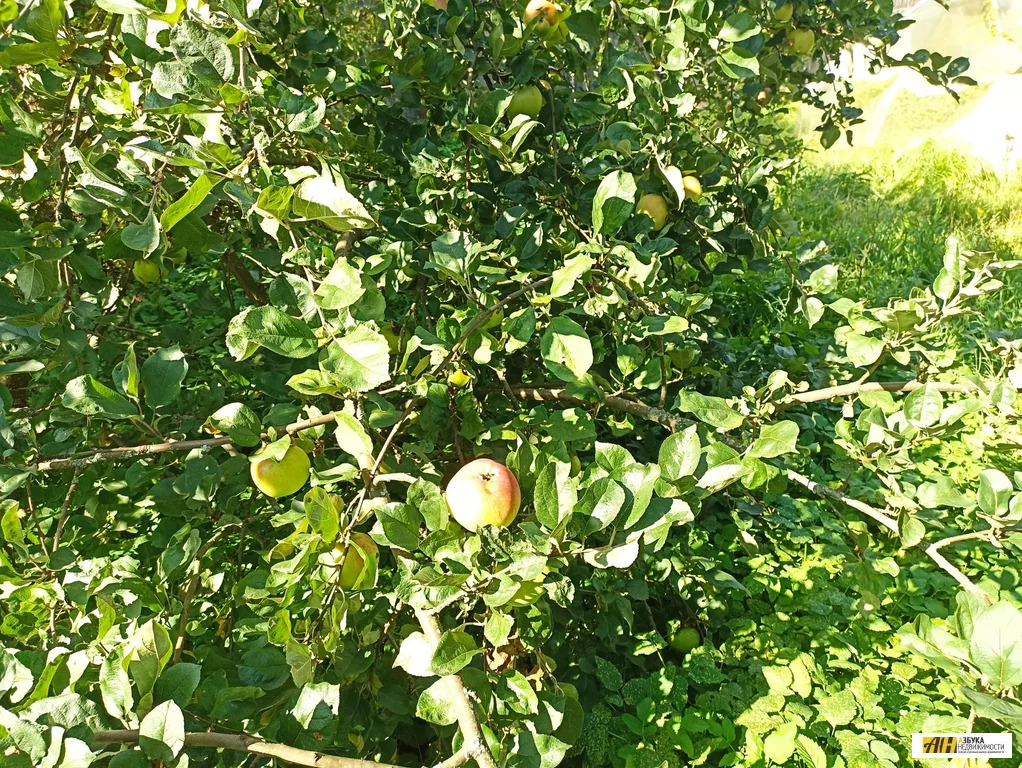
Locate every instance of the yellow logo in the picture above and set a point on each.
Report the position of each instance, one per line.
(940, 745)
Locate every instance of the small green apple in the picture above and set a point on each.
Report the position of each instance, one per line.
(685, 639)
(146, 272)
(801, 41)
(527, 100)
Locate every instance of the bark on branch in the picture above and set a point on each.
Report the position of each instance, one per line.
(87, 458)
(475, 744)
(251, 745)
(856, 388)
(888, 521)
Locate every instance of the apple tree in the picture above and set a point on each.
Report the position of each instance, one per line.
(273, 271)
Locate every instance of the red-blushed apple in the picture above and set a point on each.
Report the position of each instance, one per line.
(284, 477)
(546, 14)
(483, 492)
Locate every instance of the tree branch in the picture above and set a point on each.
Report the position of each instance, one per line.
(889, 522)
(482, 317)
(252, 745)
(190, 589)
(87, 458)
(475, 744)
(855, 388)
(65, 510)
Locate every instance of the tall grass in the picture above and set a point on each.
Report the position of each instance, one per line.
(888, 217)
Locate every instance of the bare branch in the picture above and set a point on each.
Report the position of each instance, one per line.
(87, 458)
(252, 745)
(855, 388)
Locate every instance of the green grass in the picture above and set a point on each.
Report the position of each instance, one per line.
(887, 218)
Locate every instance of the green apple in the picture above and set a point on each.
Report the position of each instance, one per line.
(783, 14)
(355, 560)
(284, 477)
(686, 639)
(483, 492)
(801, 41)
(693, 187)
(146, 272)
(654, 206)
(528, 100)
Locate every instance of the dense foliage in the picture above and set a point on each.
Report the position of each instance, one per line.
(230, 228)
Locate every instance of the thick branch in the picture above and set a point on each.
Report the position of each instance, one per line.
(855, 388)
(468, 723)
(887, 521)
(832, 493)
(87, 458)
(252, 745)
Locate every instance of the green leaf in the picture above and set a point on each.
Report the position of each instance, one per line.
(555, 494)
(775, 440)
(322, 514)
(359, 361)
(188, 202)
(162, 374)
(238, 422)
(436, 706)
(89, 397)
(341, 288)
(453, 653)
(428, 499)
(601, 504)
(271, 328)
(838, 709)
(497, 629)
(779, 746)
(738, 27)
(924, 406)
(996, 645)
(144, 237)
(613, 203)
(566, 276)
(810, 752)
(995, 490)
(324, 199)
(161, 734)
(352, 436)
(566, 349)
(126, 373)
(994, 708)
(712, 410)
(178, 683)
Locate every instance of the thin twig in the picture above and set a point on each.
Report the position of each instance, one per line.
(190, 589)
(483, 316)
(65, 509)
